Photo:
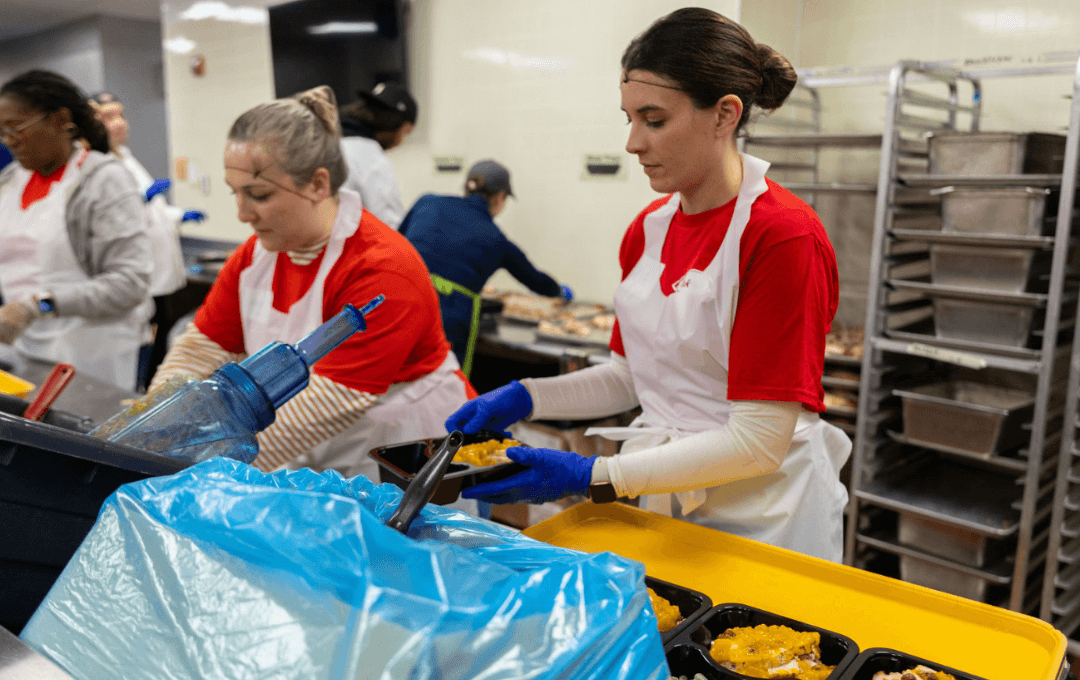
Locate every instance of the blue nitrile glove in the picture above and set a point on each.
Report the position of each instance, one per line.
(494, 410)
(552, 475)
(567, 294)
(159, 186)
(193, 216)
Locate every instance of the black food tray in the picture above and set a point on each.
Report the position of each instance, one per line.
(692, 605)
(399, 463)
(891, 661)
(689, 652)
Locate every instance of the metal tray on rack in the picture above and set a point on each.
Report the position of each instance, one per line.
(1004, 269)
(995, 153)
(969, 416)
(1019, 210)
(950, 542)
(986, 322)
(931, 490)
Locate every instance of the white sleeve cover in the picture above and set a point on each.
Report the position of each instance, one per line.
(594, 392)
(754, 442)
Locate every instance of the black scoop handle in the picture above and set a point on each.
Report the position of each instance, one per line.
(423, 485)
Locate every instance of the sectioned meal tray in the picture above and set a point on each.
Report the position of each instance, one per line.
(689, 653)
(873, 610)
(692, 605)
(399, 463)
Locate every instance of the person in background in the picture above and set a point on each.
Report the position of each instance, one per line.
(314, 250)
(729, 287)
(460, 242)
(376, 123)
(168, 274)
(74, 249)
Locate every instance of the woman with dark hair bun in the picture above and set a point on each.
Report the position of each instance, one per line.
(729, 288)
(74, 249)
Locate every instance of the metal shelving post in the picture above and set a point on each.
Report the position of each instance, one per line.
(1063, 610)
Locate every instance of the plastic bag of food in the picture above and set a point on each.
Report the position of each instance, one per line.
(222, 571)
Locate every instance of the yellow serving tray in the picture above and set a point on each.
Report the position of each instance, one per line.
(11, 384)
(873, 610)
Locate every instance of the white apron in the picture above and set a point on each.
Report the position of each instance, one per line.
(678, 347)
(407, 411)
(168, 274)
(35, 257)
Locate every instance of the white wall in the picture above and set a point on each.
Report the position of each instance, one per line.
(73, 50)
(534, 85)
(239, 75)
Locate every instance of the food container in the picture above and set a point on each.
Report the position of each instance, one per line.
(980, 419)
(923, 573)
(692, 605)
(891, 661)
(949, 541)
(14, 385)
(1019, 211)
(996, 153)
(399, 463)
(995, 323)
(1000, 269)
(689, 653)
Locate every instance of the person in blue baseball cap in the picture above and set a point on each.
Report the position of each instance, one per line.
(462, 247)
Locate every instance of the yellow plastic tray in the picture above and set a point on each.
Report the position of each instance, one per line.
(873, 610)
(10, 384)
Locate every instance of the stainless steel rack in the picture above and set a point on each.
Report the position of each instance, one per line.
(1004, 507)
(1060, 597)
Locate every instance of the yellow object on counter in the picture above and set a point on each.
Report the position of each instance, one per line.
(871, 609)
(491, 452)
(12, 384)
(771, 652)
(667, 615)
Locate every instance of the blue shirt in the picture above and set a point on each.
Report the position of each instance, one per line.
(459, 241)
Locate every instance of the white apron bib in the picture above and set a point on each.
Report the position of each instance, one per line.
(407, 411)
(678, 349)
(35, 257)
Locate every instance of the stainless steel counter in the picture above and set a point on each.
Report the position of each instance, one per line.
(513, 340)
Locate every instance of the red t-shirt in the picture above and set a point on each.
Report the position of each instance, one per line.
(789, 290)
(404, 339)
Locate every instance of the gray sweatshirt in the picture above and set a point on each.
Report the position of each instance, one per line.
(106, 223)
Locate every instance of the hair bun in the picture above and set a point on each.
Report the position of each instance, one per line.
(322, 102)
(778, 78)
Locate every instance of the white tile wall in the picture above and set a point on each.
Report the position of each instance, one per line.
(535, 86)
(239, 75)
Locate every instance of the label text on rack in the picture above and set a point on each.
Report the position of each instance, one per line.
(947, 355)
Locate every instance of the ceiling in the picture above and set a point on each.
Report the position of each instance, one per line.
(24, 17)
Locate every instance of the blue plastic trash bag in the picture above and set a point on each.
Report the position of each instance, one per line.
(222, 571)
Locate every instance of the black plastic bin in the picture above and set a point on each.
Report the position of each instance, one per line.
(891, 661)
(691, 603)
(688, 654)
(399, 463)
(53, 481)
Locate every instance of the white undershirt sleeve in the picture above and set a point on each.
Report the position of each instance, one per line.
(594, 392)
(754, 442)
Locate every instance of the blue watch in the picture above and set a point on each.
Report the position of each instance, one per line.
(46, 304)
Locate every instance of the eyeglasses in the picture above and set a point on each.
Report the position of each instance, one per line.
(17, 131)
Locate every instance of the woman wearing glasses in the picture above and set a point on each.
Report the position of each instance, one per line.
(74, 249)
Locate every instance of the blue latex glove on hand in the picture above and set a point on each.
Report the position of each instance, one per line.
(193, 216)
(567, 294)
(159, 186)
(495, 410)
(552, 475)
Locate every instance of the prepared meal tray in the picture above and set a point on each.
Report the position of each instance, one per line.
(480, 459)
(735, 641)
(536, 308)
(594, 331)
(678, 609)
(879, 663)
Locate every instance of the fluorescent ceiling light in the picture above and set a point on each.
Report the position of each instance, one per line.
(332, 27)
(179, 45)
(215, 9)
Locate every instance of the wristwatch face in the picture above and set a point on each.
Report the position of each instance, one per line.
(46, 305)
(603, 492)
